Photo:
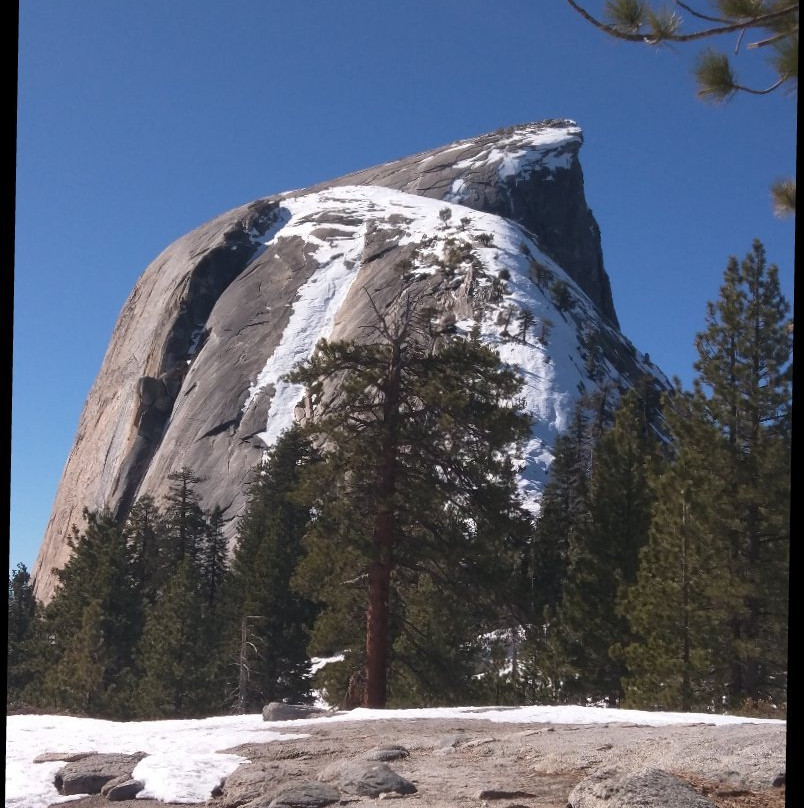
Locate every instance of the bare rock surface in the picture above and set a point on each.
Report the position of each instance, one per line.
(301, 795)
(248, 782)
(89, 774)
(67, 757)
(387, 753)
(122, 789)
(652, 788)
(525, 765)
(279, 711)
(366, 778)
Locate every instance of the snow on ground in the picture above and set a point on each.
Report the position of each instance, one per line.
(184, 764)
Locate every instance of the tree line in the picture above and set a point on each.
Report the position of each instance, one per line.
(387, 535)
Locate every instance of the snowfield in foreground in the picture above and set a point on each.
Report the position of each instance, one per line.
(184, 764)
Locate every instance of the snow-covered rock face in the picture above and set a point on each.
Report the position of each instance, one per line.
(484, 230)
(529, 174)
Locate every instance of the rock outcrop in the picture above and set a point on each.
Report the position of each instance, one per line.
(484, 229)
(280, 711)
(652, 788)
(531, 765)
(92, 772)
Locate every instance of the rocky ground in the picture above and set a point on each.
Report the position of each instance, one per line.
(454, 762)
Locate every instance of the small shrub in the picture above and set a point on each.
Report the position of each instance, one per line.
(498, 290)
(759, 708)
(544, 327)
(484, 239)
(539, 273)
(561, 295)
(456, 252)
(526, 320)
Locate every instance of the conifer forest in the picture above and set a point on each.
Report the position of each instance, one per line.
(387, 537)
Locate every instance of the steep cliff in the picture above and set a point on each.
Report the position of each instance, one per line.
(484, 229)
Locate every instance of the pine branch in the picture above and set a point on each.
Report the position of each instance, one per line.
(701, 16)
(783, 193)
(760, 21)
(770, 40)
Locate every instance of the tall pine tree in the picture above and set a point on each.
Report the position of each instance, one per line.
(678, 604)
(145, 532)
(561, 532)
(22, 616)
(727, 498)
(175, 655)
(268, 622)
(416, 469)
(184, 517)
(744, 384)
(90, 625)
(604, 558)
(213, 557)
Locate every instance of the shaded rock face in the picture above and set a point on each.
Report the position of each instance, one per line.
(480, 230)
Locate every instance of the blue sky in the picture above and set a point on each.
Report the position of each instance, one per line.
(139, 120)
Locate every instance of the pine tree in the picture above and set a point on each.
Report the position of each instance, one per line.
(429, 667)
(726, 501)
(774, 21)
(416, 469)
(23, 612)
(561, 529)
(526, 319)
(146, 535)
(772, 24)
(592, 352)
(184, 516)
(175, 656)
(213, 558)
(604, 558)
(263, 612)
(561, 296)
(81, 674)
(94, 604)
(682, 594)
(744, 384)
(563, 517)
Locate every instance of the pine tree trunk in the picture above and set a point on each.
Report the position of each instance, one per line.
(686, 658)
(242, 683)
(378, 618)
(377, 635)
